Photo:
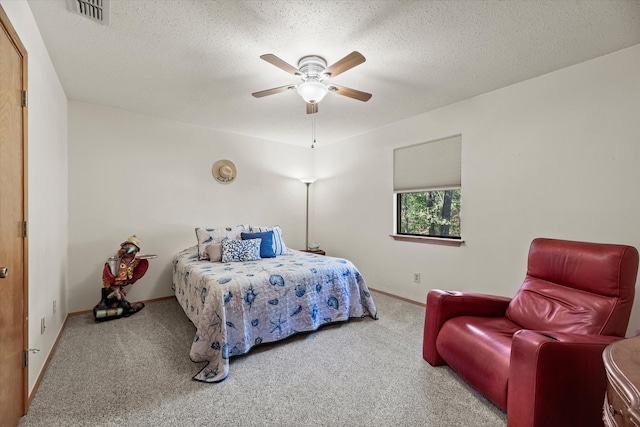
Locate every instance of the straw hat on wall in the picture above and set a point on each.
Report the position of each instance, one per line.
(224, 171)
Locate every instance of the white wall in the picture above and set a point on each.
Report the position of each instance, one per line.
(556, 156)
(136, 174)
(47, 187)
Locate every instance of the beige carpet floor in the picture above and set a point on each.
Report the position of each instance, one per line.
(136, 371)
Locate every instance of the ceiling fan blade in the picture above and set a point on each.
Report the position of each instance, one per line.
(274, 60)
(351, 93)
(346, 63)
(312, 108)
(272, 91)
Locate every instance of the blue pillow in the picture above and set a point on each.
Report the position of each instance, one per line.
(266, 244)
(279, 248)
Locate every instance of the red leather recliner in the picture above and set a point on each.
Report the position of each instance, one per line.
(538, 356)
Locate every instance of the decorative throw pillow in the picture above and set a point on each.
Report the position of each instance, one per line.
(240, 250)
(206, 236)
(266, 246)
(214, 252)
(279, 248)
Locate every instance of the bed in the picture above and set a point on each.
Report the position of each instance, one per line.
(238, 305)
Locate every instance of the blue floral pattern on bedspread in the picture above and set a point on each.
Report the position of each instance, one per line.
(237, 305)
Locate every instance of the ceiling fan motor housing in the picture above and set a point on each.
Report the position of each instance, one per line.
(312, 68)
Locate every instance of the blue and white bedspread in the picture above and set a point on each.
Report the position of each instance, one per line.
(235, 306)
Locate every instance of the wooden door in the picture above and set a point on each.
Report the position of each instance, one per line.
(13, 244)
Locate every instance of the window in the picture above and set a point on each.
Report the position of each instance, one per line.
(427, 186)
(429, 213)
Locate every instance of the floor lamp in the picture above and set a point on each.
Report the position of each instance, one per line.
(307, 182)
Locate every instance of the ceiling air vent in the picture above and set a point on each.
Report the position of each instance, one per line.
(97, 10)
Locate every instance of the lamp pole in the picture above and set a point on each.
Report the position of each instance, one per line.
(307, 182)
(307, 228)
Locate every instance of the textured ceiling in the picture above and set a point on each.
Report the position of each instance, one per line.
(199, 61)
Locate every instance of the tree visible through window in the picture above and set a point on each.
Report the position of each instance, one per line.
(429, 213)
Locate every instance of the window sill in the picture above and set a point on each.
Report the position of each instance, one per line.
(429, 240)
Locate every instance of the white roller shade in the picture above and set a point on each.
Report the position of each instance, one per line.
(428, 166)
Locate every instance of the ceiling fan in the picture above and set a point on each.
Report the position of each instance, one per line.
(313, 70)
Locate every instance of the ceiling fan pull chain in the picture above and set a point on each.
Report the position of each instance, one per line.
(313, 132)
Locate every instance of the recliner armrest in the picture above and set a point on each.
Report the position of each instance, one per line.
(556, 379)
(443, 305)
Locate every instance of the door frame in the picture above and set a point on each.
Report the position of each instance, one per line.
(5, 25)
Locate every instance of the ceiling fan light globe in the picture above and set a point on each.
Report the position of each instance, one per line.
(312, 91)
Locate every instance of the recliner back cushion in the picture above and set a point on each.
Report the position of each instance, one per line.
(543, 306)
(598, 268)
(576, 287)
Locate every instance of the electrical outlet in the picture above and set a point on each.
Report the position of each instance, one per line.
(54, 306)
(416, 277)
(42, 326)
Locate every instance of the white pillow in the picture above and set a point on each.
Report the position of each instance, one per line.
(207, 236)
(279, 248)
